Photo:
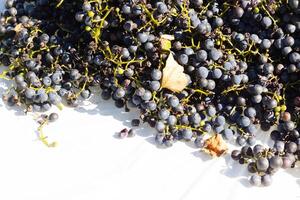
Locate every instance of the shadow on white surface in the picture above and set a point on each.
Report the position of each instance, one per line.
(203, 156)
(107, 108)
(235, 170)
(295, 172)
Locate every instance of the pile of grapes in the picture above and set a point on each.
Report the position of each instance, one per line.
(192, 67)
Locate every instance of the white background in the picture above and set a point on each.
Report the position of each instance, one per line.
(91, 163)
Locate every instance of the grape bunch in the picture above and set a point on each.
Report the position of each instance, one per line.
(239, 62)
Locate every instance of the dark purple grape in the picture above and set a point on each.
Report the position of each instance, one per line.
(53, 117)
(262, 164)
(275, 162)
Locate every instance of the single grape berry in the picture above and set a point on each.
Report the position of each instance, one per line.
(135, 122)
(53, 117)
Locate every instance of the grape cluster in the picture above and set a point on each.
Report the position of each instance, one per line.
(241, 57)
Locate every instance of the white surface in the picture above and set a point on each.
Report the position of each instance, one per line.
(90, 163)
